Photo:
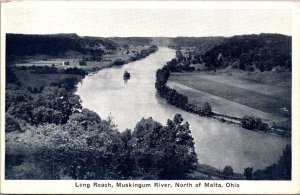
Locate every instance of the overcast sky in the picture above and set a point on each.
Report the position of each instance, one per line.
(97, 21)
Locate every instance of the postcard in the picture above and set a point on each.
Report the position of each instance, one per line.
(138, 97)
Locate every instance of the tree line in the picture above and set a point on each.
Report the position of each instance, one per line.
(172, 96)
(55, 45)
(143, 54)
(53, 70)
(79, 144)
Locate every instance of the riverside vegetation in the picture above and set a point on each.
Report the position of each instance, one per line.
(50, 136)
(252, 54)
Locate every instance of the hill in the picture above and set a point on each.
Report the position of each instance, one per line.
(201, 44)
(135, 41)
(55, 45)
(250, 52)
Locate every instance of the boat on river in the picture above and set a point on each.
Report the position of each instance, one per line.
(126, 75)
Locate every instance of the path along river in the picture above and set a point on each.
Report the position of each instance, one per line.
(217, 144)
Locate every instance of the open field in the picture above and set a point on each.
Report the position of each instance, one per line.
(40, 80)
(237, 94)
(73, 59)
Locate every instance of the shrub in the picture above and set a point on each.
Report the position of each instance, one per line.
(228, 170)
(263, 127)
(207, 109)
(11, 124)
(119, 62)
(250, 122)
(82, 63)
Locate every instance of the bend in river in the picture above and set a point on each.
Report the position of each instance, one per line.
(217, 144)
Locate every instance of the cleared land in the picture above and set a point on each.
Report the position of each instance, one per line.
(238, 94)
(40, 80)
(73, 58)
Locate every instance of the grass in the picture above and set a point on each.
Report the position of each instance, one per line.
(237, 94)
(74, 59)
(37, 80)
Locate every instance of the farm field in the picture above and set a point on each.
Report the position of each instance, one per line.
(238, 94)
(40, 80)
(74, 59)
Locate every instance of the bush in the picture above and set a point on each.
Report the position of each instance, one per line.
(82, 63)
(207, 111)
(263, 127)
(119, 62)
(11, 124)
(250, 122)
(228, 170)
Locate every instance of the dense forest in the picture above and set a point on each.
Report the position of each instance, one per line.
(201, 44)
(135, 41)
(55, 45)
(249, 52)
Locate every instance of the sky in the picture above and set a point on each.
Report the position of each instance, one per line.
(142, 21)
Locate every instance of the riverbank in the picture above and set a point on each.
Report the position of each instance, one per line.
(70, 136)
(128, 102)
(190, 101)
(42, 73)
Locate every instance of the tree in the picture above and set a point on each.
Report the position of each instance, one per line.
(278, 171)
(248, 173)
(207, 109)
(82, 63)
(228, 170)
(166, 152)
(285, 163)
(11, 77)
(250, 122)
(11, 124)
(179, 55)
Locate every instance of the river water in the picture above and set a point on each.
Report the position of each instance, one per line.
(217, 144)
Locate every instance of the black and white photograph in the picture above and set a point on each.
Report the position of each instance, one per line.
(137, 92)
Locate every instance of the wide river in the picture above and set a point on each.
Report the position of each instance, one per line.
(217, 144)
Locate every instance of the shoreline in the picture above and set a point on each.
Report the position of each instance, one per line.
(164, 91)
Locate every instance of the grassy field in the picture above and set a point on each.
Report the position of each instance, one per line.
(37, 80)
(239, 93)
(74, 58)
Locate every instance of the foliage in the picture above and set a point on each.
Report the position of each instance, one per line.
(248, 173)
(55, 45)
(11, 77)
(172, 96)
(11, 124)
(165, 151)
(252, 123)
(43, 69)
(88, 147)
(77, 143)
(82, 63)
(179, 55)
(206, 109)
(53, 70)
(146, 52)
(264, 52)
(51, 105)
(228, 170)
(278, 171)
(75, 70)
(118, 62)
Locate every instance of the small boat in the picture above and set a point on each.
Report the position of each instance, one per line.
(126, 75)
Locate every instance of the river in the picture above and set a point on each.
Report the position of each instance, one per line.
(217, 144)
